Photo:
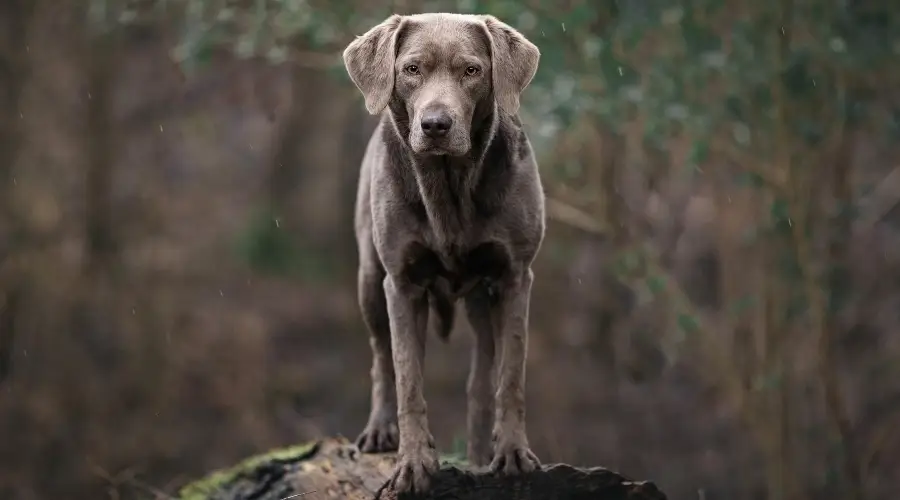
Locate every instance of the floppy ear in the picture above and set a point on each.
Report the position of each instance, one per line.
(514, 61)
(369, 60)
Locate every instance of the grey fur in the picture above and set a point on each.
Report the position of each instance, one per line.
(442, 216)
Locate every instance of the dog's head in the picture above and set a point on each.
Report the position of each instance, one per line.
(439, 69)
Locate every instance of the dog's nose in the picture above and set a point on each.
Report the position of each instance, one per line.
(436, 123)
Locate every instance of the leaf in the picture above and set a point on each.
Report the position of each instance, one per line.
(742, 305)
(656, 284)
(698, 39)
(734, 107)
(699, 153)
(778, 210)
(266, 247)
(749, 179)
(796, 78)
(687, 323)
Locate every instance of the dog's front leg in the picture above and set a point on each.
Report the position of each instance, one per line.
(480, 385)
(512, 454)
(408, 312)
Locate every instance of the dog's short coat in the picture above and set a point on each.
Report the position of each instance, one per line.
(450, 206)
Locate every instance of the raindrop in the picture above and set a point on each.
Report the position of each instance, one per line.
(221, 294)
(564, 27)
(621, 72)
(160, 127)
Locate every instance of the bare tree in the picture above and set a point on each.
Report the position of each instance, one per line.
(15, 22)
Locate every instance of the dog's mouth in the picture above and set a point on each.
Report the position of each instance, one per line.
(435, 151)
(440, 148)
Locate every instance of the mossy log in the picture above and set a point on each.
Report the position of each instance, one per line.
(333, 468)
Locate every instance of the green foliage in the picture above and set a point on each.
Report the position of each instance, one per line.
(741, 306)
(656, 284)
(685, 66)
(690, 69)
(457, 455)
(687, 323)
(204, 488)
(267, 247)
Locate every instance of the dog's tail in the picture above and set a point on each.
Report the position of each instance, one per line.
(442, 314)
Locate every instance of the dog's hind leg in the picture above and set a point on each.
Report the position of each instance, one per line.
(480, 386)
(381, 433)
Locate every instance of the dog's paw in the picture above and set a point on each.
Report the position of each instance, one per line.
(513, 456)
(414, 470)
(380, 436)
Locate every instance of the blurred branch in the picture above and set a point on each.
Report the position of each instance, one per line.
(725, 374)
(883, 429)
(198, 90)
(9, 313)
(882, 200)
(574, 217)
(316, 60)
(16, 17)
(101, 65)
(802, 206)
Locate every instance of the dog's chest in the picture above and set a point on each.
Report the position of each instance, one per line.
(451, 210)
(461, 268)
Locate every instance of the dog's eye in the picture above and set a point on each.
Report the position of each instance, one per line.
(412, 69)
(472, 71)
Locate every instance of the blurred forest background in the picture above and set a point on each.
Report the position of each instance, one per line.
(717, 303)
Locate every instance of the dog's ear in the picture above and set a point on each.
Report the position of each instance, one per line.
(369, 60)
(514, 62)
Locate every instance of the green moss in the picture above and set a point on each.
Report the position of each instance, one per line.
(457, 455)
(203, 488)
(455, 460)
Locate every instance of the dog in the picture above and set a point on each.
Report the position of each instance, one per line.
(449, 207)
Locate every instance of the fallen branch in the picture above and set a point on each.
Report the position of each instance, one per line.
(334, 468)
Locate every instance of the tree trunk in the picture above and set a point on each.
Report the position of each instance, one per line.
(101, 69)
(333, 468)
(15, 21)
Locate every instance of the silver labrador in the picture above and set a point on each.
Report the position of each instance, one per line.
(450, 206)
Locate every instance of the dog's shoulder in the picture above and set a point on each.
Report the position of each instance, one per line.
(387, 166)
(509, 159)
